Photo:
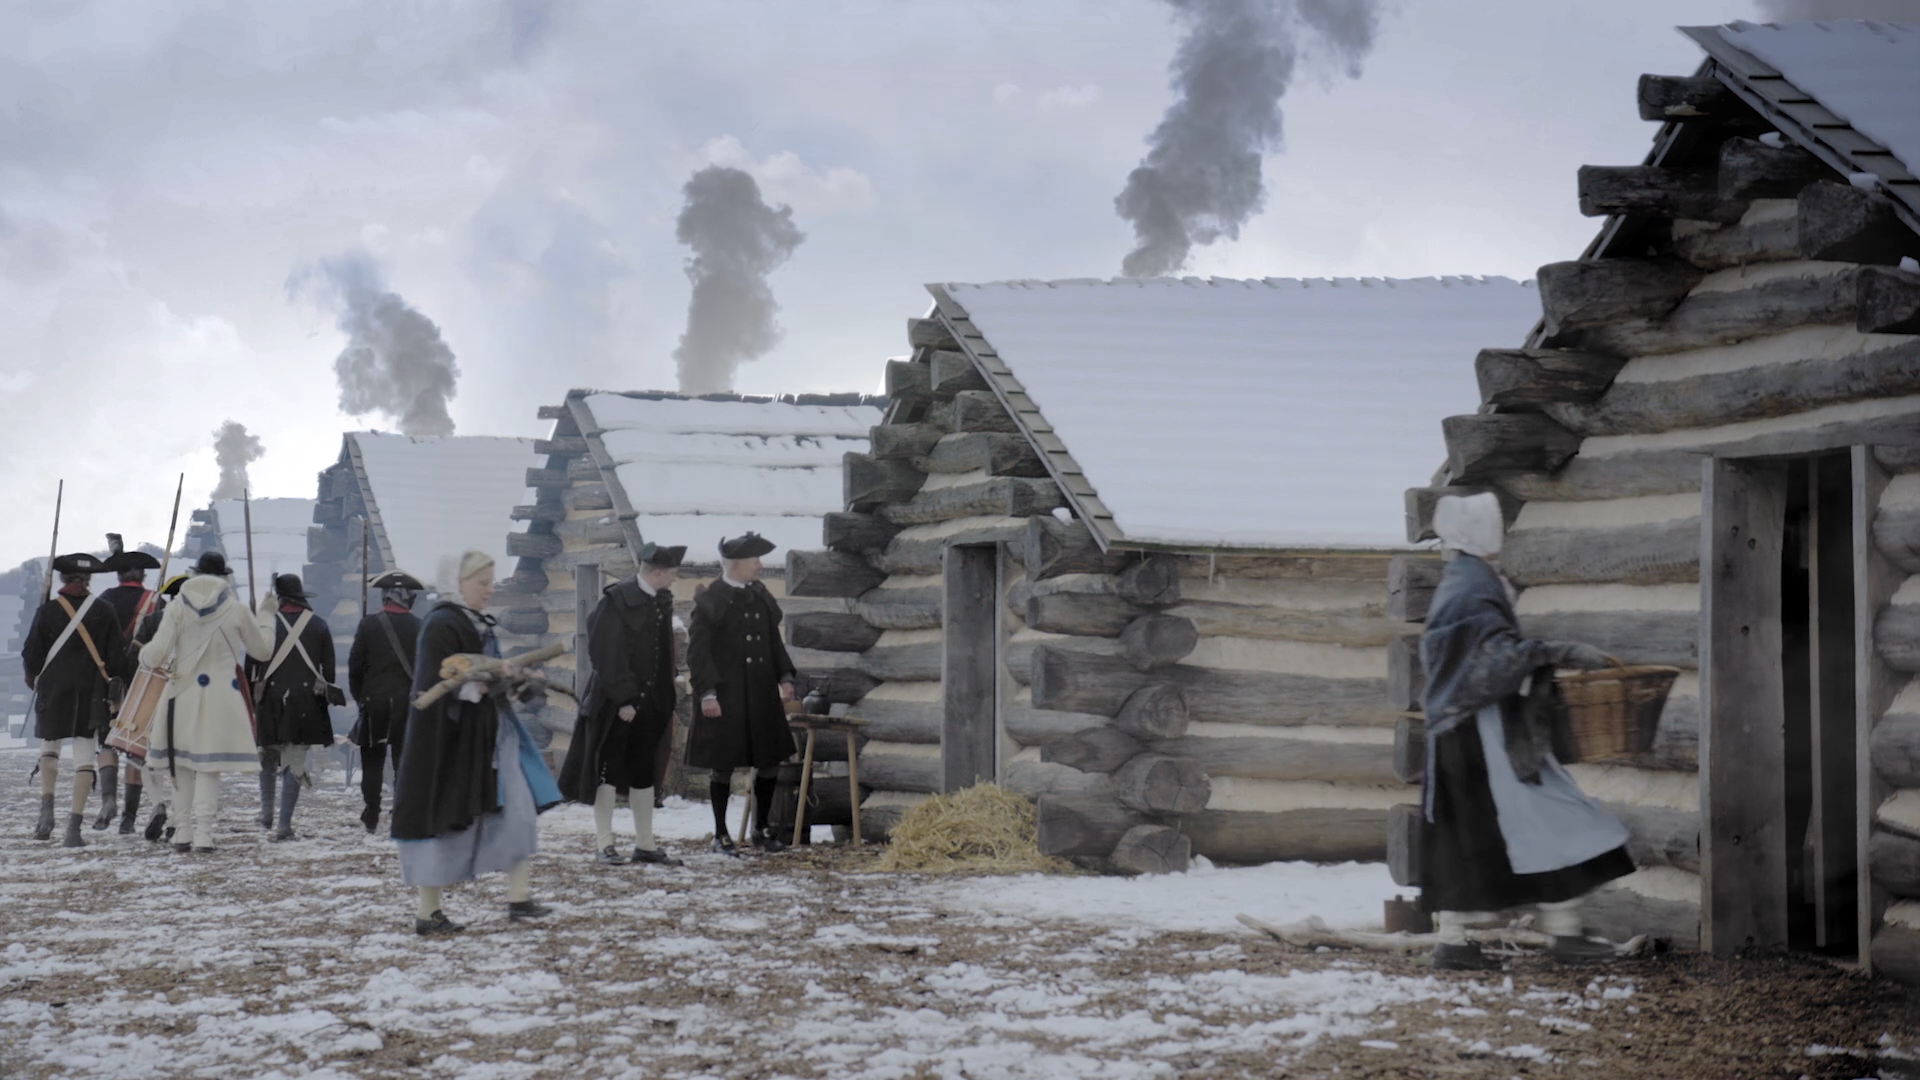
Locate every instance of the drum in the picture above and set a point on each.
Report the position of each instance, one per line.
(143, 701)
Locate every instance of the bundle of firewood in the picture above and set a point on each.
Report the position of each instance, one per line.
(509, 675)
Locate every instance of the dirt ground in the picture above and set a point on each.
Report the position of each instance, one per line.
(123, 959)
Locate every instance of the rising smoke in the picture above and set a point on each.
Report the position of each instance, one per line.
(1809, 10)
(737, 240)
(395, 362)
(1201, 179)
(233, 449)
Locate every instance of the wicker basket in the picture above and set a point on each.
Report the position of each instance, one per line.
(1613, 713)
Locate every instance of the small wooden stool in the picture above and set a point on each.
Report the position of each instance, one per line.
(814, 724)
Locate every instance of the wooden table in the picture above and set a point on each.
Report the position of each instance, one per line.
(814, 725)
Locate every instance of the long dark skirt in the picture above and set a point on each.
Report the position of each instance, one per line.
(1463, 857)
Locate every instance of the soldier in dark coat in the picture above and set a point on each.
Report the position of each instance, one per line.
(130, 601)
(380, 678)
(144, 628)
(72, 652)
(293, 689)
(742, 676)
(628, 704)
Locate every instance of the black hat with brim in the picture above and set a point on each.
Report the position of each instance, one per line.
(749, 546)
(80, 563)
(212, 562)
(131, 560)
(398, 579)
(662, 558)
(287, 586)
(172, 587)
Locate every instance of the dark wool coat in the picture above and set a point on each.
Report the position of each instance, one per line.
(378, 677)
(630, 643)
(125, 601)
(70, 696)
(734, 651)
(290, 713)
(446, 779)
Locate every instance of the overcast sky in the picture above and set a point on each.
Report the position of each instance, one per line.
(515, 169)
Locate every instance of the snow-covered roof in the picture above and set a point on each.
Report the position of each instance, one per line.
(437, 496)
(1271, 414)
(692, 471)
(279, 538)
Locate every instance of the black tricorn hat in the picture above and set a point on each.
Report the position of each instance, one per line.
(288, 586)
(131, 560)
(80, 563)
(212, 562)
(664, 558)
(172, 587)
(749, 546)
(398, 579)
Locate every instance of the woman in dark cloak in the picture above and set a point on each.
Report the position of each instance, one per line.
(1505, 827)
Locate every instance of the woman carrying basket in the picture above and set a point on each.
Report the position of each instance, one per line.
(1505, 826)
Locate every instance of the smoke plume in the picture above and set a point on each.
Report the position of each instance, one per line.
(1201, 179)
(1810, 10)
(233, 448)
(737, 240)
(395, 362)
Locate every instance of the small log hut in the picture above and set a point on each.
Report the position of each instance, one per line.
(1123, 547)
(620, 469)
(1729, 378)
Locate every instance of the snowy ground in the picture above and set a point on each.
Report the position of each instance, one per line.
(297, 959)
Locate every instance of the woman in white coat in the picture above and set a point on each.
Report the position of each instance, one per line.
(204, 638)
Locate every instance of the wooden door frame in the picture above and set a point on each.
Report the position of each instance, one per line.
(1874, 683)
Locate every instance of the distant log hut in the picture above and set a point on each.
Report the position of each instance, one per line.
(621, 469)
(1729, 376)
(1124, 547)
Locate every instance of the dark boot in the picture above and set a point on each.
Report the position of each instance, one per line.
(156, 828)
(269, 778)
(1466, 957)
(132, 812)
(73, 837)
(370, 817)
(289, 797)
(109, 799)
(527, 909)
(765, 840)
(43, 829)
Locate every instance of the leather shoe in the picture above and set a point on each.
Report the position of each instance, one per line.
(435, 925)
(769, 843)
(157, 823)
(1466, 957)
(657, 858)
(527, 909)
(724, 845)
(370, 817)
(610, 857)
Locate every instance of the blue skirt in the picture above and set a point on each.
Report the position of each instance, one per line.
(492, 844)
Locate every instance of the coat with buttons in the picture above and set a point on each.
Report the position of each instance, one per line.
(734, 652)
(204, 635)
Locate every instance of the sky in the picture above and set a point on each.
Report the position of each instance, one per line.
(514, 170)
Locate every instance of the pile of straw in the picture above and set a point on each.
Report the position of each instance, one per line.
(984, 829)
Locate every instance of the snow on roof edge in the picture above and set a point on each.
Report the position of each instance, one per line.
(1445, 281)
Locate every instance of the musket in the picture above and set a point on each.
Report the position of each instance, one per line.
(53, 550)
(365, 585)
(152, 599)
(246, 512)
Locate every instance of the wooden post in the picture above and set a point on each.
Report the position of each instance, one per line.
(806, 782)
(1874, 581)
(853, 785)
(1743, 872)
(970, 667)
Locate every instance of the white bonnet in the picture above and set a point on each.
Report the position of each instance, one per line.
(1470, 523)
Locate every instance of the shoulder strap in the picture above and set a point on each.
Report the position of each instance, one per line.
(74, 623)
(393, 639)
(288, 645)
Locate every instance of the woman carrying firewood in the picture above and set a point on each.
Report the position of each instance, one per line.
(1505, 826)
(470, 780)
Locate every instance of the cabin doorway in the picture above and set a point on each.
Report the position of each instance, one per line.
(970, 666)
(1780, 860)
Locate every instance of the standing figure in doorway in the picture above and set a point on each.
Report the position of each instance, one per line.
(470, 780)
(628, 704)
(380, 678)
(1505, 826)
(292, 695)
(205, 636)
(72, 654)
(742, 676)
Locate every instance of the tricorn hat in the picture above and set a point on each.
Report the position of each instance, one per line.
(80, 563)
(287, 586)
(131, 560)
(664, 558)
(212, 562)
(398, 579)
(172, 587)
(749, 546)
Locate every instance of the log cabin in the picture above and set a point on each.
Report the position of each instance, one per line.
(1123, 547)
(621, 469)
(1708, 447)
(280, 528)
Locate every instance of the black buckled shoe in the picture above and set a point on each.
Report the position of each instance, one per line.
(656, 857)
(765, 841)
(1575, 949)
(370, 817)
(609, 857)
(436, 925)
(724, 845)
(527, 909)
(157, 826)
(1466, 957)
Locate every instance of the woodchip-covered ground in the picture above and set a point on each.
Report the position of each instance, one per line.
(123, 959)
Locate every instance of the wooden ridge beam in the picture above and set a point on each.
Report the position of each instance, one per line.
(1680, 97)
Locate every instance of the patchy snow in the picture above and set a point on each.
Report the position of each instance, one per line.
(439, 496)
(1277, 413)
(1864, 71)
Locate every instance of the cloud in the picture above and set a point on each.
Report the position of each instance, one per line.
(784, 178)
(1009, 95)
